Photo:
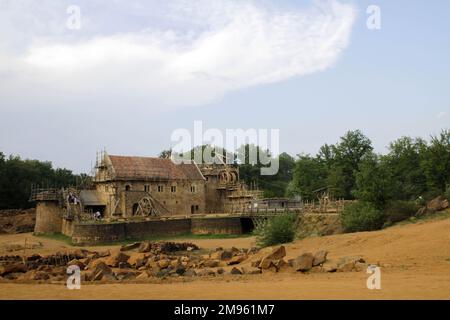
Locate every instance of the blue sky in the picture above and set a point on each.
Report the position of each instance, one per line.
(388, 83)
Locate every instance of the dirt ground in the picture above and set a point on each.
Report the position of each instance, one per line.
(414, 259)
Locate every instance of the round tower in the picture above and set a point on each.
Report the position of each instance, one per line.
(48, 213)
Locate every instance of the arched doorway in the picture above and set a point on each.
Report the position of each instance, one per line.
(135, 208)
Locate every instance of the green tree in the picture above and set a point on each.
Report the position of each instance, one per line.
(374, 182)
(403, 161)
(17, 176)
(435, 162)
(309, 175)
(250, 171)
(348, 154)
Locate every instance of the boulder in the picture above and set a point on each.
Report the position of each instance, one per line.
(12, 268)
(211, 263)
(235, 250)
(255, 263)
(281, 265)
(304, 262)
(164, 263)
(266, 263)
(175, 263)
(137, 259)
(180, 270)
(131, 246)
(215, 255)
(124, 265)
(103, 254)
(359, 266)
(162, 273)
(329, 266)
(220, 271)
(251, 270)
(58, 271)
(190, 273)
(221, 255)
(80, 253)
(77, 263)
(35, 275)
(143, 276)
(346, 267)
(145, 247)
(124, 275)
(205, 273)
(205, 256)
(277, 253)
(348, 264)
(98, 276)
(237, 259)
(437, 204)
(99, 265)
(320, 258)
(236, 271)
(116, 258)
(87, 275)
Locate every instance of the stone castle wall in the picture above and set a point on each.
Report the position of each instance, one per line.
(89, 234)
(216, 226)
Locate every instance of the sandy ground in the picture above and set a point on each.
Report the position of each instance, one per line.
(414, 259)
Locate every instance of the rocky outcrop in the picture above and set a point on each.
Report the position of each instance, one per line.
(304, 262)
(437, 204)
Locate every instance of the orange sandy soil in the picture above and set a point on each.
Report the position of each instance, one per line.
(414, 259)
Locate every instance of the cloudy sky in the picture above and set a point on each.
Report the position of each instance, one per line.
(137, 70)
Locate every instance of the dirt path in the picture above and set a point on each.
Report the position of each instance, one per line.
(415, 264)
(51, 246)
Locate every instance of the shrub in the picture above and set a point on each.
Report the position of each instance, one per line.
(447, 193)
(361, 216)
(400, 210)
(276, 230)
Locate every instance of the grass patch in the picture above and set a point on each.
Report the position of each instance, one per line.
(57, 237)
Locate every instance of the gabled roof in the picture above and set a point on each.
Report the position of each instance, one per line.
(146, 168)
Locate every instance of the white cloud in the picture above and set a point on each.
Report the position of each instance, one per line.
(218, 47)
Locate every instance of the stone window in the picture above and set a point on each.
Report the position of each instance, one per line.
(193, 189)
(160, 188)
(173, 189)
(147, 188)
(127, 187)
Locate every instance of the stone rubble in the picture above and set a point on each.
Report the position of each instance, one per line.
(145, 261)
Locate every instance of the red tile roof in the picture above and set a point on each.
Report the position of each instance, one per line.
(145, 168)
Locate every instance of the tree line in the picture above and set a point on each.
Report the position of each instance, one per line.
(413, 169)
(18, 175)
